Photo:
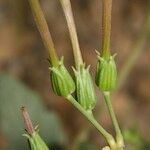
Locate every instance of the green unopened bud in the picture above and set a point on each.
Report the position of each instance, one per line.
(36, 142)
(106, 73)
(62, 82)
(84, 88)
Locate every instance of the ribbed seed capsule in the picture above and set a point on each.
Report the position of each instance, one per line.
(36, 142)
(62, 82)
(84, 88)
(106, 74)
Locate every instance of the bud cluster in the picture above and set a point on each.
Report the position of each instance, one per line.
(63, 84)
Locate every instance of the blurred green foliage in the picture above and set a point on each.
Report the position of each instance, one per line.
(13, 95)
(134, 140)
(87, 146)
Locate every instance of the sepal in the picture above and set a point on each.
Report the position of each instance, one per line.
(106, 73)
(85, 92)
(62, 82)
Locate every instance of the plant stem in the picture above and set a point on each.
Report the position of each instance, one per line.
(106, 27)
(119, 137)
(134, 55)
(91, 118)
(44, 31)
(66, 5)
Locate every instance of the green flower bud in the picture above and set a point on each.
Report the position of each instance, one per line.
(84, 88)
(62, 82)
(106, 74)
(36, 142)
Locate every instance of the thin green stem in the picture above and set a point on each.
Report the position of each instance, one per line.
(106, 27)
(66, 5)
(134, 55)
(44, 31)
(119, 137)
(111, 112)
(91, 118)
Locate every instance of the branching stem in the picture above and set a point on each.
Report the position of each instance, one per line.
(91, 118)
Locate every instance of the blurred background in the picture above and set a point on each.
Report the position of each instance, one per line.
(24, 74)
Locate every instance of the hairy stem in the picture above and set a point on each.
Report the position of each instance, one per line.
(91, 118)
(44, 31)
(66, 5)
(106, 27)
